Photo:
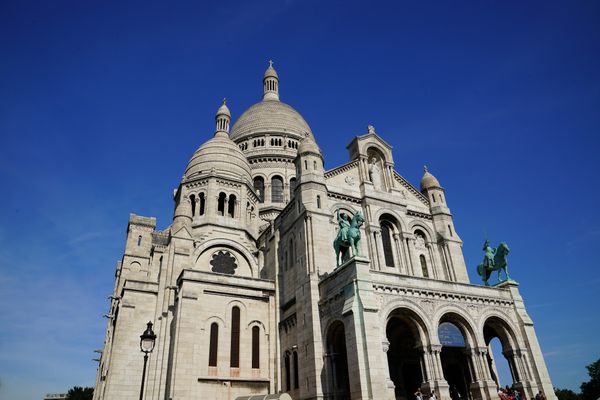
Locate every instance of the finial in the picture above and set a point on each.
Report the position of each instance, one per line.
(371, 128)
(270, 63)
(224, 101)
(425, 168)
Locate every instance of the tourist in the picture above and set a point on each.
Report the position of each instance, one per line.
(432, 396)
(418, 395)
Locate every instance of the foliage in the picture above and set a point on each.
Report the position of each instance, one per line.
(79, 393)
(591, 390)
(566, 394)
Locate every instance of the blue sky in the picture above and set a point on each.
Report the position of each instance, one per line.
(103, 103)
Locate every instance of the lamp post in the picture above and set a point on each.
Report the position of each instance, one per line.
(147, 340)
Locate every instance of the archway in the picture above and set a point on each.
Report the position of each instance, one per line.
(338, 362)
(405, 353)
(456, 367)
(498, 340)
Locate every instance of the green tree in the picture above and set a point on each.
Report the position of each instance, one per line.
(566, 394)
(79, 393)
(591, 390)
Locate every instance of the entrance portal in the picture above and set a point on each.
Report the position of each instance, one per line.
(338, 361)
(455, 363)
(403, 358)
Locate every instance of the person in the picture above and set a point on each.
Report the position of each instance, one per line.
(454, 395)
(432, 396)
(418, 395)
(344, 223)
(375, 173)
(542, 397)
(488, 259)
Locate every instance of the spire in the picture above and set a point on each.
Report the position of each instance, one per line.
(223, 118)
(270, 83)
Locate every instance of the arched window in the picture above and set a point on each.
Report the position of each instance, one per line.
(450, 230)
(318, 201)
(193, 201)
(276, 189)
(305, 164)
(288, 377)
(259, 187)
(235, 338)
(221, 203)
(139, 242)
(256, 347)
(202, 203)
(292, 187)
(214, 345)
(231, 206)
(386, 239)
(424, 266)
(315, 165)
(296, 381)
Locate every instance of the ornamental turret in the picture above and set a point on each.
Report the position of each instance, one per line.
(223, 119)
(450, 242)
(216, 188)
(270, 83)
(311, 189)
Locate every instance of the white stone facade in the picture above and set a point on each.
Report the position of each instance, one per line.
(246, 298)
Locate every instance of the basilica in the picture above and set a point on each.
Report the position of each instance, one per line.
(278, 277)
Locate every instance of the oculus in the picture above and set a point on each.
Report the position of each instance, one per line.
(223, 262)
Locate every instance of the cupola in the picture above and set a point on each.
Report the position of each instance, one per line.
(270, 83)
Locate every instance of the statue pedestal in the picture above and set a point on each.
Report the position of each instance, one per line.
(506, 283)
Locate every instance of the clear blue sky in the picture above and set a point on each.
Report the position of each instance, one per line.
(103, 103)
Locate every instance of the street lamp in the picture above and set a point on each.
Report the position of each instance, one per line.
(147, 340)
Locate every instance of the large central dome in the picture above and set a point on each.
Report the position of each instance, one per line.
(270, 116)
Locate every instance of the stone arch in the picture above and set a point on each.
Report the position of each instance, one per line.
(457, 364)
(417, 320)
(413, 226)
(495, 326)
(344, 207)
(402, 225)
(258, 323)
(226, 243)
(420, 314)
(407, 340)
(510, 334)
(460, 318)
(374, 149)
(337, 361)
(214, 318)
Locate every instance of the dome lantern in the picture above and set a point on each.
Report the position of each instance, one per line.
(223, 119)
(271, 83)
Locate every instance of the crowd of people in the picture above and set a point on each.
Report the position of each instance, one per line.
(505, 393)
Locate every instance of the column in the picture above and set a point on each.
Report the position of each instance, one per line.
(398, 256)
(379, 248)
(385, 346)
(434, 268)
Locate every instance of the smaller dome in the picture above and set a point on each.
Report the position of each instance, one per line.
(270, 72)
(308, 145)
(223, 156)
(429, 181)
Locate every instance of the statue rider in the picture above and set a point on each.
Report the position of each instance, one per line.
(344, 223)
(488, 259)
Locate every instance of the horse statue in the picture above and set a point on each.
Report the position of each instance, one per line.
(348, 236)
(494, 260)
